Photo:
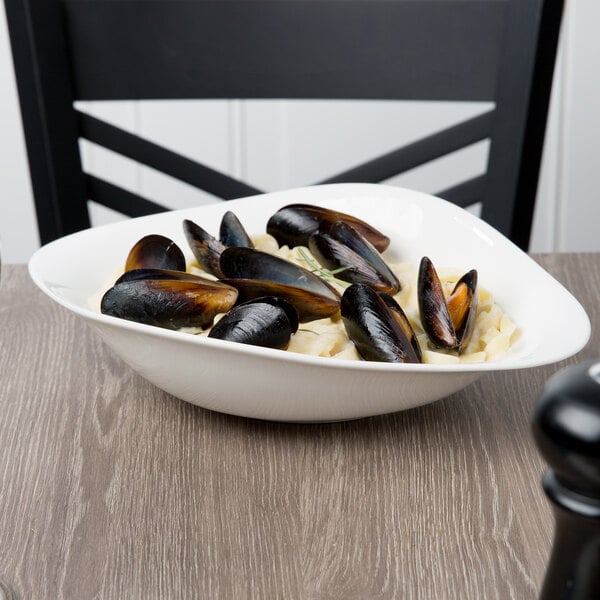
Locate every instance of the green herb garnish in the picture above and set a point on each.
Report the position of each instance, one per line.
(322, 272)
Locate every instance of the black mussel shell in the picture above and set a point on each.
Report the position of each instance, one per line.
(345, 248)
(334, 255)
(136, 274)
(309, 305)
(292, 225)
(262, 322)
(155, 252)
(232, 232)
(354, 239)
(205, 248)
(433, 308)
(168, 303)
(464, 294)
(247, 263)
(290, 309)
(449, 323)
(402, 320)
(374, 330)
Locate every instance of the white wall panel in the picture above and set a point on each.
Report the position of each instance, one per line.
(296, 143)
(264, 138)
(579, 200)
(203, 131)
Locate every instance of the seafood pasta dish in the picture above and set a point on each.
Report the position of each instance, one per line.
(317, 282)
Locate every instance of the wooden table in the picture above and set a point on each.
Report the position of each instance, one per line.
(112, 488)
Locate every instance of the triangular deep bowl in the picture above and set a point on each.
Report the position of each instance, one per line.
(277, 385)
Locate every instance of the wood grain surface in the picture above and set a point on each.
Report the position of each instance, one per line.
(111, 488)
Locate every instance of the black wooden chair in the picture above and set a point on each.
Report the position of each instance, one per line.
(488, 50)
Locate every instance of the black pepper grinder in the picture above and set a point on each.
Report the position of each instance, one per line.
(566, 427)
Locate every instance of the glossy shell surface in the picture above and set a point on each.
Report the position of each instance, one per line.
(375, 331)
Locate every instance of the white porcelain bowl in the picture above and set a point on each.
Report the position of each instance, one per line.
(277, 385)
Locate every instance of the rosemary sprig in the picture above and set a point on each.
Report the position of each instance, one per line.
(322, 272)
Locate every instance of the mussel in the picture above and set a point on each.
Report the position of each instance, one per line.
(155, 251)
(267, 322)
(344, 250)
(402, 320)
(206, 248)
(168, 303)
(462, 306)
(254, 264)
(257, 273)
(232, 232)
(309, 305)
(447, 322)
(376, 332)
(292, 225)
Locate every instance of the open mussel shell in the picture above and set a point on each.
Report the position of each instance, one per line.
(354, 239)
(462, 306)
(155, 252)
(206, 248)
(247, 263)
(267, 322)
(353, 258)
(292, 225)
(309, 305)
(448, 322)
(168, 303)
(370, 324)
(433, 308)
(232, 232)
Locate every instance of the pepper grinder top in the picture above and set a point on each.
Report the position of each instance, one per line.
(566, 427)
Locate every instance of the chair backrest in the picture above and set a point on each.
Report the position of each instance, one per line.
(488, 50)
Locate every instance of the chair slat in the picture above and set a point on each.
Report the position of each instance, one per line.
(420, 152)
(123, 201)
(466, 193)
(244, 49)
(166, 161)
